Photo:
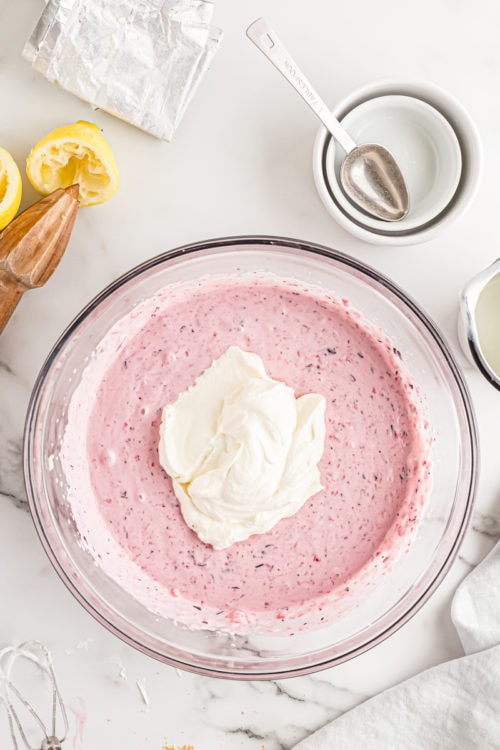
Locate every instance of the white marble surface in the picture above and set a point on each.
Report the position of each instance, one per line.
(240, 163)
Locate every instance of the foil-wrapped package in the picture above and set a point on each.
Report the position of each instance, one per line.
(140, 60)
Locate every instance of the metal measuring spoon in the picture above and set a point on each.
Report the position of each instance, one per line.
(369, 174)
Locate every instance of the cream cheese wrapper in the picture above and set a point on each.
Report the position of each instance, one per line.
(241, 450)
(141, 62)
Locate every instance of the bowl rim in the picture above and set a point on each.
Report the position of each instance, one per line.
(122, 628)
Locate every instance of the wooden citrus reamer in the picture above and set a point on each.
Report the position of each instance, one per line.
(32, 245)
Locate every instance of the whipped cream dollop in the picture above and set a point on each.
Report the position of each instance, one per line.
(241, 450)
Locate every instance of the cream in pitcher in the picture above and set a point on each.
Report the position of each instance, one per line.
(479, 324)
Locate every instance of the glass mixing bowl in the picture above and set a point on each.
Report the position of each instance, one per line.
(411, 579)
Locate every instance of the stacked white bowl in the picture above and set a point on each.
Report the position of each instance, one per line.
(435, 143)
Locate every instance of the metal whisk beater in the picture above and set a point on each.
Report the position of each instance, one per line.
(13, 699)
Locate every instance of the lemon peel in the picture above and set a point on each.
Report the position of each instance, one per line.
(74, 154)
(11, 188)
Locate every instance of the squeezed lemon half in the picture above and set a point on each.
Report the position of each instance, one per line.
(11, 187)
(76, 153)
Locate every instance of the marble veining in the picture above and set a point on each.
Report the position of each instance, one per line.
(11, 471)
(486, 524)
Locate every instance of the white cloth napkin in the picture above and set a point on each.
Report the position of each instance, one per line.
(453, 706)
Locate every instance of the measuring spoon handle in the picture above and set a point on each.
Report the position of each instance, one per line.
(264, 37)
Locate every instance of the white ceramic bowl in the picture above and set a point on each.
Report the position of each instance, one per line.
(424, 145)
(397, 233)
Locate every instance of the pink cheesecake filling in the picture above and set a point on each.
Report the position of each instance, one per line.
(374, 469)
